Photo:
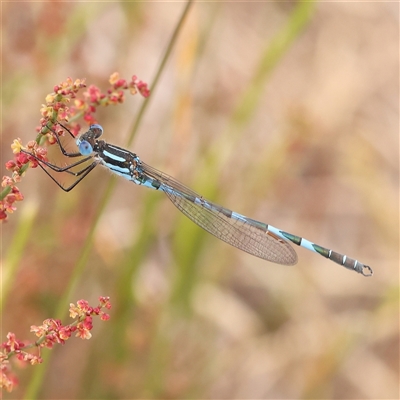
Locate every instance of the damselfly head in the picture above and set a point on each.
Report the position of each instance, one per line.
(94, 132)
(87, 140)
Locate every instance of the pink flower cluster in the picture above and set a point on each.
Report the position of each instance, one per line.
(51, 332)
(59, 107)
(56, 102)
(10, 194)
(56, 107)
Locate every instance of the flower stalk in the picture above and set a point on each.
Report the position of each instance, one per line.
(51, 332)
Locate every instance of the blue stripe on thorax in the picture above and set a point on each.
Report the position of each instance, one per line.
(113, 156)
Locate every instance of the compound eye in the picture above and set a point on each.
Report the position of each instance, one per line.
(85, 148)
(97, 130)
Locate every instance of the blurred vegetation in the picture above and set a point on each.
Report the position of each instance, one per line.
(285, 112)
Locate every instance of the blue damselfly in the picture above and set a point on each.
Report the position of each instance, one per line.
(254, 237)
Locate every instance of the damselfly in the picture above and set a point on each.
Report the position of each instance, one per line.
(254, 237)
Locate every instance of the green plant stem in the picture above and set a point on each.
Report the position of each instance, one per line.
(5, 192)
(160, 69)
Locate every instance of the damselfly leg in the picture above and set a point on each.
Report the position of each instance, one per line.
(80, 174)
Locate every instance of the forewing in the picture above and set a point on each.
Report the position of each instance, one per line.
(239, 231)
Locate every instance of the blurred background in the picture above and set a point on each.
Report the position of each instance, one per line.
(285, 112)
